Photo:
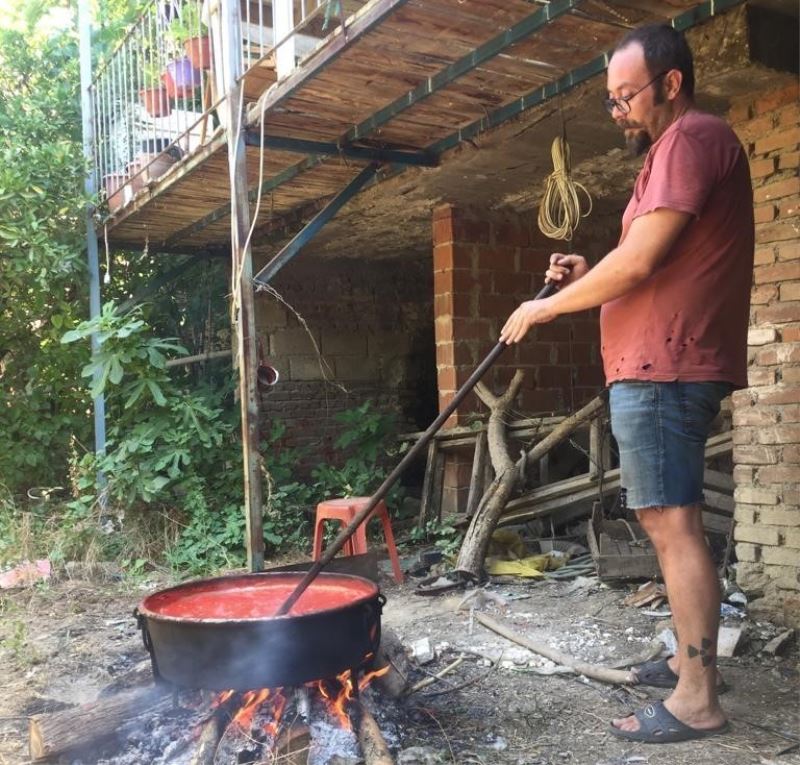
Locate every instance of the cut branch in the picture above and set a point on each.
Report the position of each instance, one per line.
(81, 728)
(476, 540)
(604, 674)
(373, 744)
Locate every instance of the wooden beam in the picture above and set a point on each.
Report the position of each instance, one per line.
(243, 294)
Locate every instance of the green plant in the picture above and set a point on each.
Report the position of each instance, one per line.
(187, 24)
(443, 535)
(366, 443)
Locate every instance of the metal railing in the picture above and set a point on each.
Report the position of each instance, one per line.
(156, 98)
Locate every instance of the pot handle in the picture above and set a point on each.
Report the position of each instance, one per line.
(148, 643)
(372, 620)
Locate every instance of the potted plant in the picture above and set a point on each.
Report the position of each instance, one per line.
(154, 95)
(181, 78)
(190, 33)
(115, 188)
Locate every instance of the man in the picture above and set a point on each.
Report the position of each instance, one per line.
(675, 296)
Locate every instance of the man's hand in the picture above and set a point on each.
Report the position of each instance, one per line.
(529, 313)
(566, 269)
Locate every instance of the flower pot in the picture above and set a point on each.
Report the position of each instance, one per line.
(117, 192)
(156, 101)
(146, 168)
(181, 78)
(198, 51)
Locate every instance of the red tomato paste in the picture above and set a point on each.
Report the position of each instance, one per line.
(255, 597)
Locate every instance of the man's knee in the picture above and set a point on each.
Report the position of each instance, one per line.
(670, 524)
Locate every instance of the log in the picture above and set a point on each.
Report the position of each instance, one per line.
(604, 674)
(293, 746)
(209, 739)
(373, 744)
(476, 540)
(81, 728)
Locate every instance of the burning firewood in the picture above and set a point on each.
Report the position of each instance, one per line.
(84, 727)
(373, 744)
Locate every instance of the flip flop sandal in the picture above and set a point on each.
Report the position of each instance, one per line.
(659, 675)
(658, 726)
(438, 585)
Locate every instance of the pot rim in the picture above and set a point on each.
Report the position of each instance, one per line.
(143, 610)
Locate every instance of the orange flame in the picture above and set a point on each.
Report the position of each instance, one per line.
(251, 701)
(370, 676)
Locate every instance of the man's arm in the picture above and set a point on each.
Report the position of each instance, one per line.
(648, 241)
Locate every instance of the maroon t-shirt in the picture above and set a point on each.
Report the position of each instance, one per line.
(688, 321)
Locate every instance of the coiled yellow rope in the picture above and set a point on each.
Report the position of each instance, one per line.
(560, 211)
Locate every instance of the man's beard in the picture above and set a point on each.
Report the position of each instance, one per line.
(637, 139)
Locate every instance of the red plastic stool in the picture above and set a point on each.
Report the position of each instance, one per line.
(343, 511)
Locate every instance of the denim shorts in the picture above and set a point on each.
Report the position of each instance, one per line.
(661, 430)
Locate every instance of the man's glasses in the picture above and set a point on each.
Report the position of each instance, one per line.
(623, 104)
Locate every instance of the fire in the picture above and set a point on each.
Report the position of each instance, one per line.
(338, 704)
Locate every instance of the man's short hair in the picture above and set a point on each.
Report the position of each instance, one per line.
(664, 48)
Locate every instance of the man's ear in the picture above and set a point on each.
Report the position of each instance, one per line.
(673, 80)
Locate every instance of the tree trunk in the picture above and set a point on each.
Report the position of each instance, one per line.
(476, 540)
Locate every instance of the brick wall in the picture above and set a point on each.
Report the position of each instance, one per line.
(766, 415)
(372, 324)
(484, 266)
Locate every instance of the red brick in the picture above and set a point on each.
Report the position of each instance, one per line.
(790, 291)
(764, 255)
(790, 334)
(764, 213)
(779, 434)
(583, 353)
(776, 190)
(466, 353)
(443, 211)
(781, 139)
(443, 304)
(779, 474)
(790, 375)
(776, 273)
(442, 231)
(760, 377)
(789, 160)
(755, 416)
(541, 401)
(754, 129)
(789, 115)
(791, 455)
(765, 358)
(776, 99)
(443, 329)
(443, 257)
(554, 331)
(788, 251)
(779, 395)
(470, 230)
(742, 436)
(790, 413)
(760, 168)
(445, 354)
(778, 313)
(755, 455)
(788, 208)
(763, 294)
(739, 111)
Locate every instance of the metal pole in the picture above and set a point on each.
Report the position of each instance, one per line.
(242, 267)
(85, 37)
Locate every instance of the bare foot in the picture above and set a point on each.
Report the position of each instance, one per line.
(688, 711)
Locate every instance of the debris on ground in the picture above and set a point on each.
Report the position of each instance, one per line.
(25, 574)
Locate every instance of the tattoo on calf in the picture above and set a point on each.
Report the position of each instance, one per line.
(704, 652)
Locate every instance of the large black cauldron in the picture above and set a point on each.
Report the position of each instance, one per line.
(220, 634)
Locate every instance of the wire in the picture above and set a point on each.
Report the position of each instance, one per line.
(560, 211)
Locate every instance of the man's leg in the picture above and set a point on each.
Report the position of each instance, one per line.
(691, 580)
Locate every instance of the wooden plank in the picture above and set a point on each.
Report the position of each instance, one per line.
(476, 484)
(426, 501)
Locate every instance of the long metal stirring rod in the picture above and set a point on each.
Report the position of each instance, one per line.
(411, 454)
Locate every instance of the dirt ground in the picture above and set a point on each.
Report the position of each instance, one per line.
(64, 641)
